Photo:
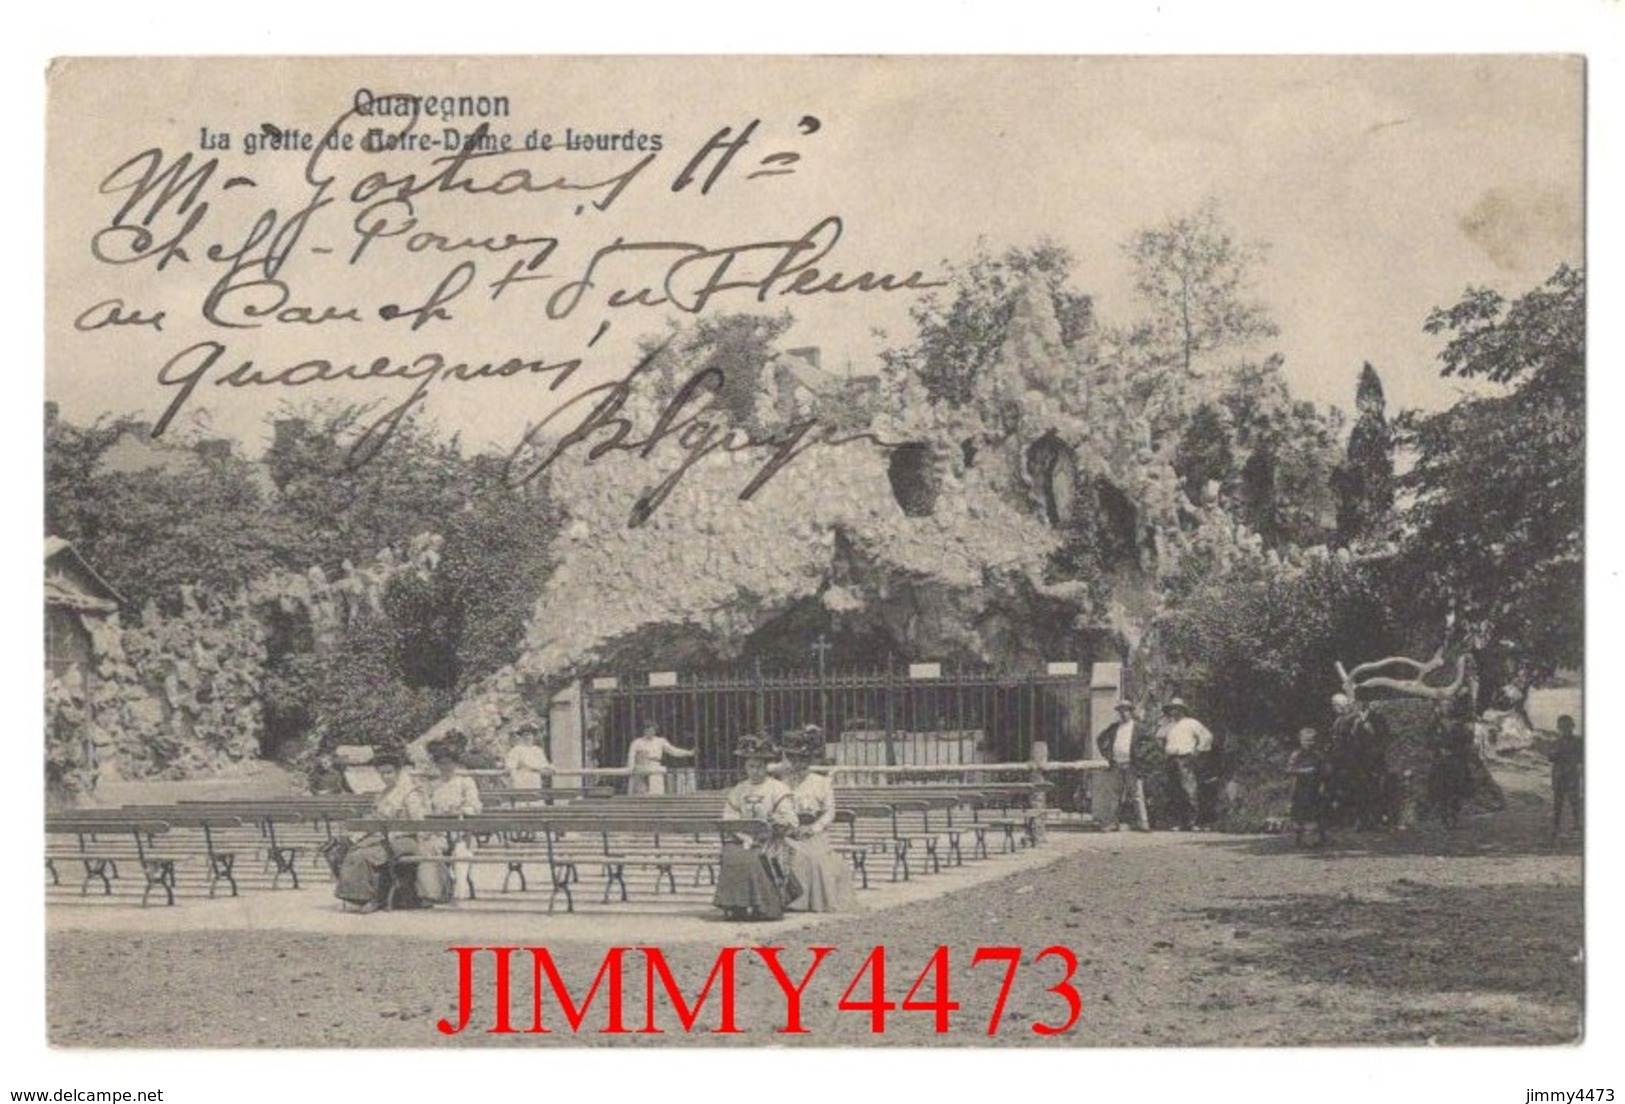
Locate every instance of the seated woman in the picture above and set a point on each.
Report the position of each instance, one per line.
(365, 877)
(826, 882)
(451, 793)
(752, 872)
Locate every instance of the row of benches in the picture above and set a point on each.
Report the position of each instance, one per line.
(561, 828)
(667, 833)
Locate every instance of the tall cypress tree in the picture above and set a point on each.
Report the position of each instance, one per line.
(1364, 482)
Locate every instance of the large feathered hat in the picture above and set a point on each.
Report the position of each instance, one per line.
(804, 743)
(449, 747)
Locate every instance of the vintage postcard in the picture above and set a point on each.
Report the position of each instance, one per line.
(1032, 552)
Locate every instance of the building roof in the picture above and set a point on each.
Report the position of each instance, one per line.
(71, 582)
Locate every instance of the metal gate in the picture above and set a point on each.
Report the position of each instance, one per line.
(925, 716)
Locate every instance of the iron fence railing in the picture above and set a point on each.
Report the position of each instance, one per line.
(930, 717)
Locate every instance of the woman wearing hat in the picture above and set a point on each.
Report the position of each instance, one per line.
(362, 876)
(752, 872)
(826, 883)
(451, 793)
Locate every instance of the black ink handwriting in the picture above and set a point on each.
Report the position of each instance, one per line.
(697, 429)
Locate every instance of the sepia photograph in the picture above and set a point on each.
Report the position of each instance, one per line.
(839, 552)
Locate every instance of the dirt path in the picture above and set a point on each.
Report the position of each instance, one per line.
(1466, 938)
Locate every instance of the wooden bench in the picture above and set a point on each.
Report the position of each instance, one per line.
(905, 822)
(101, 844)
(545, 837)
(304, 827)
(703, 802)
(1019, 821)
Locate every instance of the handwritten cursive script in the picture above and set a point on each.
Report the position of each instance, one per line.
(690, 421)
(362, 228)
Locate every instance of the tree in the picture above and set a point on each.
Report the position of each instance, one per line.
(1364, 482)
(176, 517)
(962, 336)
(1496, 524)
(334, 512)
(1193, 276)
(1260, 651)
(1283, 489)
(737, 346)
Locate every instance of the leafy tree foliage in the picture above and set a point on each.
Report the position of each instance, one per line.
(155, 519)
(335, 512)
(1194, 276)
(1364, 482)
(357, 692)
(198, 519)
(962, 335)
(1259, 651)
(1496, 522)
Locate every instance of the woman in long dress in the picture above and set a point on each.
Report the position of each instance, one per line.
(526, 762)
(753, 872)
(362, 883)
(826, 881)
(643, 759)
(451, 793)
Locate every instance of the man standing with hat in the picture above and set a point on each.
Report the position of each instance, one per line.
(1184, 740)
(1116, 745)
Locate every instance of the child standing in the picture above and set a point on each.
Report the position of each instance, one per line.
(1310, 771)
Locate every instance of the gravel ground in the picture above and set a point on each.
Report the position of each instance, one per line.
(1463, 938)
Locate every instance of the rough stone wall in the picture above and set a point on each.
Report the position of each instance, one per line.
(178, 695)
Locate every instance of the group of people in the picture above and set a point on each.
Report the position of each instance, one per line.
(786, 862)
(1345, 781)
(1343, 777)
(1349, 781)
(791, 864)
(1193, 767)
(373, 872)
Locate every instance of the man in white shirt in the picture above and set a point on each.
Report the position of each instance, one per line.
(1184, 738)
(1116, 745)
(643, 759)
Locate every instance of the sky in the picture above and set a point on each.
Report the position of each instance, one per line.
(1382, 187)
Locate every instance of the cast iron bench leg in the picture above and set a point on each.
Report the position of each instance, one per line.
(614, 873)
(515, 867)
(900, 860)
(220, 870)
(160, 873)
(860, 866)
(664, 870)
(981, 840)
(285, 857)
(561, 884)
(56, 879)
(99, 868)
(955, 856)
